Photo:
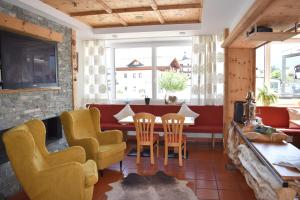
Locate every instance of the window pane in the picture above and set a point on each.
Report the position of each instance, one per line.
(167, 55)
(285, 68)
(133, 67)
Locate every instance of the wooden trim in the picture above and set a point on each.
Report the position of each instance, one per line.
(74, 69)
(9, 91)
(105, 6)
(122, 21)
(109, 10)
(250, 18)
(20, 26)
(226, 100)
(149, 23)
(158, 13)
(136, 9)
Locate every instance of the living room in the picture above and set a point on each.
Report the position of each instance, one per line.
(78, 78)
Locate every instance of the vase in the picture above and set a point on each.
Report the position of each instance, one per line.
(147, 100)
(170, 99)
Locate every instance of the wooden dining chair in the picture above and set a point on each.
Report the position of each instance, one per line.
(145, 136)
(173, 126)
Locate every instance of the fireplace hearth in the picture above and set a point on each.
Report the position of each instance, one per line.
(53, 133)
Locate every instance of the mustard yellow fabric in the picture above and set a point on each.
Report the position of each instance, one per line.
(47, 176)
(82, 128)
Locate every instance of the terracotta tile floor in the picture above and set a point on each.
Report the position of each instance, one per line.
(205, 171)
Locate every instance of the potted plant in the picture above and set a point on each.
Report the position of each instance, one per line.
(172, 81)
(267, 96)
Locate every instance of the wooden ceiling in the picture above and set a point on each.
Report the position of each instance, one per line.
(116, 13)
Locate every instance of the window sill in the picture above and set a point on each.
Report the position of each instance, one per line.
(9, 91)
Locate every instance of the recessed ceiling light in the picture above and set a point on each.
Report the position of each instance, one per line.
(139, 17)
(182, 33)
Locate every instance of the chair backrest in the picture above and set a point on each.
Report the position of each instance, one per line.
(144, 127)
(25, 147)
(81, 123)
(173, 126)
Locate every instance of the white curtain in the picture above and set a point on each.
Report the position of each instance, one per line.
(95, 82)
(207, 70)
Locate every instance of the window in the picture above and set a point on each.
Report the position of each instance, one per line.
(178, 54)
(131, 61)
(277, 67)
(138, 67)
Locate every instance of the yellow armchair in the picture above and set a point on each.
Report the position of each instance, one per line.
(82, 127)
(46, 176)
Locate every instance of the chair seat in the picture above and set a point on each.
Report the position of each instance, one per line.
(110, 149)
(91, 174)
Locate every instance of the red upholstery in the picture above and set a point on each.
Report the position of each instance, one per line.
(210, 119)
(277, 117)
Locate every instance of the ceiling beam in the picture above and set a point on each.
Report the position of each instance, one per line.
(149, 23)
(154, 6)
(137, 9)
(109, 11)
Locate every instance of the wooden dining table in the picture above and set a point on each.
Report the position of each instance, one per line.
(172, 154)
(187, 120)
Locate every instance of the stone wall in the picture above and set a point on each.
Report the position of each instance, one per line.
(19, 107)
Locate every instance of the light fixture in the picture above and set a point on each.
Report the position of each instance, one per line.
(139, 17)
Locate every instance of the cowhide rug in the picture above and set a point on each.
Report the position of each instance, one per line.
(157, 187)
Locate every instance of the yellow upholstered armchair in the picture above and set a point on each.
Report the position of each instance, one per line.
(62, 175)
(82, 127)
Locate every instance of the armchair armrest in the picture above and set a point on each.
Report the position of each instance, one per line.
(66, 181)
(110, 137)
(71, 154)
(90, 145)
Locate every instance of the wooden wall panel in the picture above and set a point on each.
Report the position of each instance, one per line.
(239, 79)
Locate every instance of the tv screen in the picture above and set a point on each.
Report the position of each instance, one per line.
(27, 62)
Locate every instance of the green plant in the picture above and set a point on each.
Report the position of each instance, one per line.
(173, 81)
(276, 74)
(267, 96)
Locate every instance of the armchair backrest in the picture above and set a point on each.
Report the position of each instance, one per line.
(81, 123)
(25, 147)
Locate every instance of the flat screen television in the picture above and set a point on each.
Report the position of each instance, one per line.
(27, 62)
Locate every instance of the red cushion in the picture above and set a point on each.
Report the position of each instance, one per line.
(273, 116)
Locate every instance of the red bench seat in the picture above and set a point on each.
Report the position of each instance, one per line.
(210, 119)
